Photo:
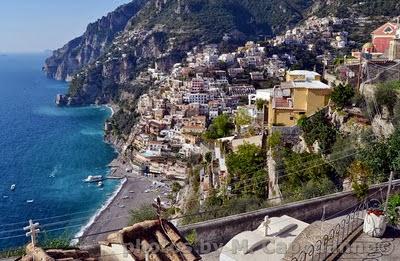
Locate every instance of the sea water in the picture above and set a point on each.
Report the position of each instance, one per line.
(47, 151)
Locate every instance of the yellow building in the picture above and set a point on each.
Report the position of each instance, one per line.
(302, 94)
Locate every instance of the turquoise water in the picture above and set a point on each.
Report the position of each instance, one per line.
(46, 152)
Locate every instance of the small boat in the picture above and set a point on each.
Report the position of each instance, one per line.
(92, 179)
(5, 196)
(100, 184)
(29, 201)
(12, 188)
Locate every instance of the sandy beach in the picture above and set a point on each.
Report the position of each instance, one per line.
(136, 191)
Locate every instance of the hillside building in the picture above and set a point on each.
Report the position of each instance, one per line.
(302, 94)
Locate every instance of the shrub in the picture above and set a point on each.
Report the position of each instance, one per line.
(385, 95)
(143, 213)
(342, 95)
(318, 128)
(247, 164)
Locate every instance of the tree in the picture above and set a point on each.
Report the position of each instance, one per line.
(318, 128)
(341, 148)
(306, 175)
(220, 127)
(145, 212)
(375, 156)
(242, 118)
(274, 139)
(342, 95)
(385, 95)
(260, 103)
(360, 175)
(246, 170)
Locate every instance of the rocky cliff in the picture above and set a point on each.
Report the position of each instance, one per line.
(87, 48)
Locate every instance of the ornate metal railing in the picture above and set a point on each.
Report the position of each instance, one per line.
(330, 242)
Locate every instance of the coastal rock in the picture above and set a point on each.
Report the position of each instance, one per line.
(61, 100)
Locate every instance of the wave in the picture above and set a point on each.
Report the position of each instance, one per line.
(55, 171)
(98, 213)
(92, 132)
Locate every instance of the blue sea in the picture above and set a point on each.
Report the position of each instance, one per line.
(47, 151)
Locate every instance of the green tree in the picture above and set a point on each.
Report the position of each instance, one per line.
(318, 128)
(375, 156)
(342, 147)
(143, 213)
(385, 95)
(307, 175)
(260, 103)
(342, 95)
(221, 126)
(242, 118)
(274, 140)
(360, 176)
(246, 170)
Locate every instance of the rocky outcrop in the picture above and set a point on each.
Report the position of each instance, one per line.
(66, 61)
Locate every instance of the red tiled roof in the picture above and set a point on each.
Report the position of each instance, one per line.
(381, 30)
(281, 103)
(150, 234)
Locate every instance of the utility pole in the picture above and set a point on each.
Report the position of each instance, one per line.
(388, 190)
(32, 231)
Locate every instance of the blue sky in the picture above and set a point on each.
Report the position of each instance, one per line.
(36, 25)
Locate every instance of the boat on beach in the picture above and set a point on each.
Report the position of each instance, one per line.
(93, 179)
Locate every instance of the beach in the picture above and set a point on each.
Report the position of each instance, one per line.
(134, 192)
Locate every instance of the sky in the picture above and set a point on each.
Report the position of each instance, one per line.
(38, 25)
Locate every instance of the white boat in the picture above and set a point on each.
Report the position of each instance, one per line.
(29, 201)
(93, 178)
(100, 184)
(12, 188)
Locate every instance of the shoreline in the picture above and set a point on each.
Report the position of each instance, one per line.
(110, 107)
(98, 213)
(133, 192)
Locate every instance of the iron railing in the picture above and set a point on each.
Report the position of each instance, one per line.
(330, 242)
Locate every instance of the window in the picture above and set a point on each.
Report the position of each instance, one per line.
(302, 113)
(388, 30)
(291, 118)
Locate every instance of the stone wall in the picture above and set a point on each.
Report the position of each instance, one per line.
(216, 233)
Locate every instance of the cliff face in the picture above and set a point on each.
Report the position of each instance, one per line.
(87, 48)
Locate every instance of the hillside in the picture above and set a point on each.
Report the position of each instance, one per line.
(349, 8)
(164, 31)
(106, 59)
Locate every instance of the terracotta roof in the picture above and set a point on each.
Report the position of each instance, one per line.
(145, 236)
(281, 103)
(381, 30)
(37, 253)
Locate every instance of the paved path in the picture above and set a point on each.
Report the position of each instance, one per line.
(366, 248)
